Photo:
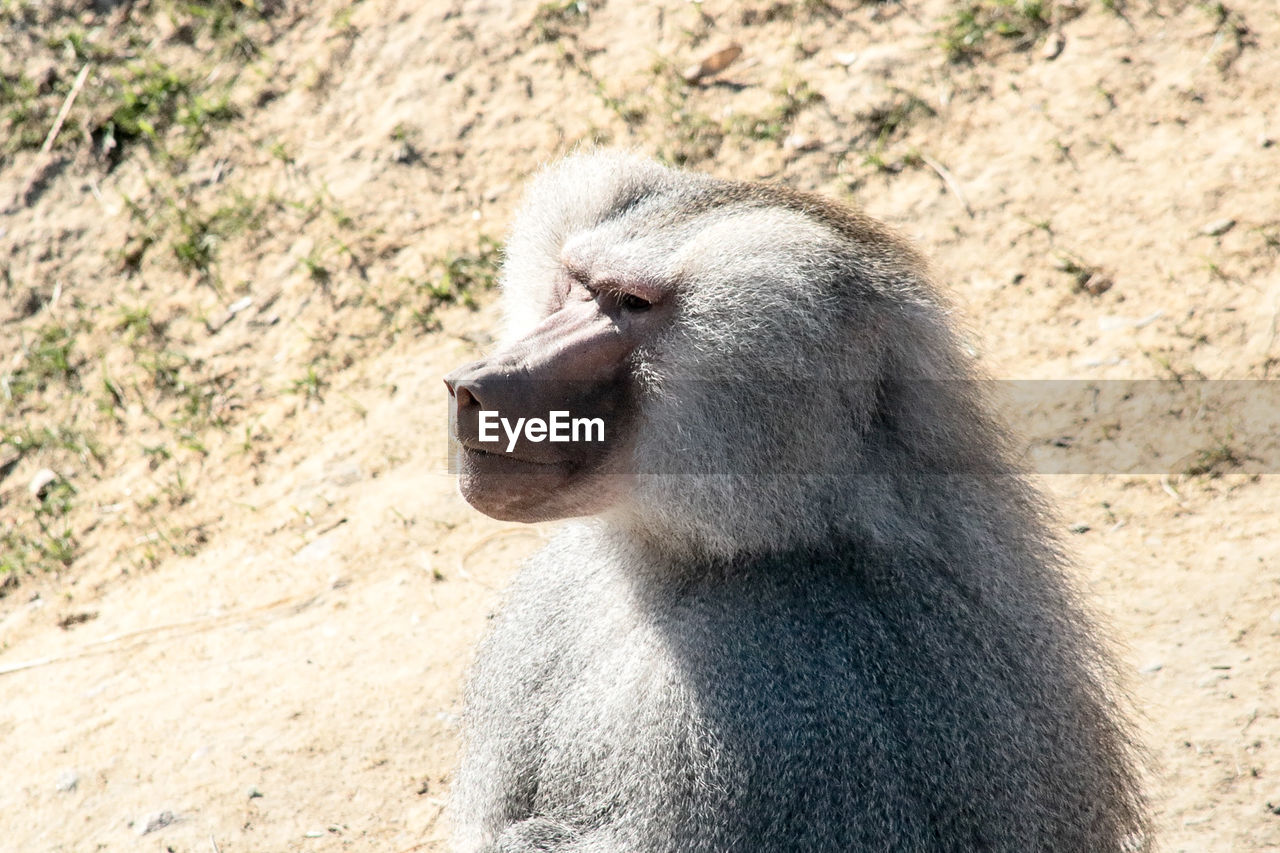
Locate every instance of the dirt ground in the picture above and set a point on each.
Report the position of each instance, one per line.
(239, 588)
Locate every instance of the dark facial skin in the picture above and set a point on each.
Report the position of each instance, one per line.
(578, 359)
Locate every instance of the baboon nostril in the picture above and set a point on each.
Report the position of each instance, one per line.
(462, 395)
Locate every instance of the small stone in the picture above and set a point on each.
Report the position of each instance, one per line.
(315, 833)
(41, 481)
(344, 475)
(1151, 668)
(153, 821)
(713, 64)
(68, 780)
(403, 152)
(1079, 528)
(1096, 284)
(1053, 46)
(252, 792)
(1218, 227)
(800, 142)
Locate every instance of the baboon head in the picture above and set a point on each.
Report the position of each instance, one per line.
(740, 342)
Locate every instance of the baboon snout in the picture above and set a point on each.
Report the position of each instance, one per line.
(481, 387)
(571, 366)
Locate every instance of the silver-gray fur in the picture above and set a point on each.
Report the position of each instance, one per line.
(849, 630)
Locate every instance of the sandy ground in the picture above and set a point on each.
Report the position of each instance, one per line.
(263, 629)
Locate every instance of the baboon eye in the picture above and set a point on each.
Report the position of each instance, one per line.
(631, 302)
(614, 298)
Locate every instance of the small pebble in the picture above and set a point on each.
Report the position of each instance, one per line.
(68, 780)
(1151, 668)
(402, 152)
(153, 821)
(1080, 528)
(1096, 284)
(1053, 46)
(713, 64)
(1218, 227)
(800, 142)
(252, 792)
(41, 482)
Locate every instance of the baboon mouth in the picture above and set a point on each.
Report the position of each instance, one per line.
(471, 451)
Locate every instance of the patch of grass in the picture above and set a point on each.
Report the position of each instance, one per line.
(200, 399)
(1086, 278)
(886, 120)
(22, 114)
(55, 501)
(139, 87)
(556, 19)
(1270, 238)
(692, 138)
(1231, 35)
(457, 278)
(630, 107)
(687, 136)
(225, 21)
(28, 440)
(772, 124)
(76, 44)
(193, 232)
(137, 324)
(45, 360)
(164, 367)
(146, 99)
(24, 553)
(197, 233)
(310, 386)
(340, 23)
(968, 33)
(316, 266)
(157, 454)
(280, 151)
(461, 275)
(787, 11)
(1214, 461)
(177, 491)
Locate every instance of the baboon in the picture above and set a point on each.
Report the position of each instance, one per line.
(812, 603)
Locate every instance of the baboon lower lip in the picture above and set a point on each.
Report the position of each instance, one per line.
(472, 452)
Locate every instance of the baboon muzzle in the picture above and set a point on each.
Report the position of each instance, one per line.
(574, 362)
